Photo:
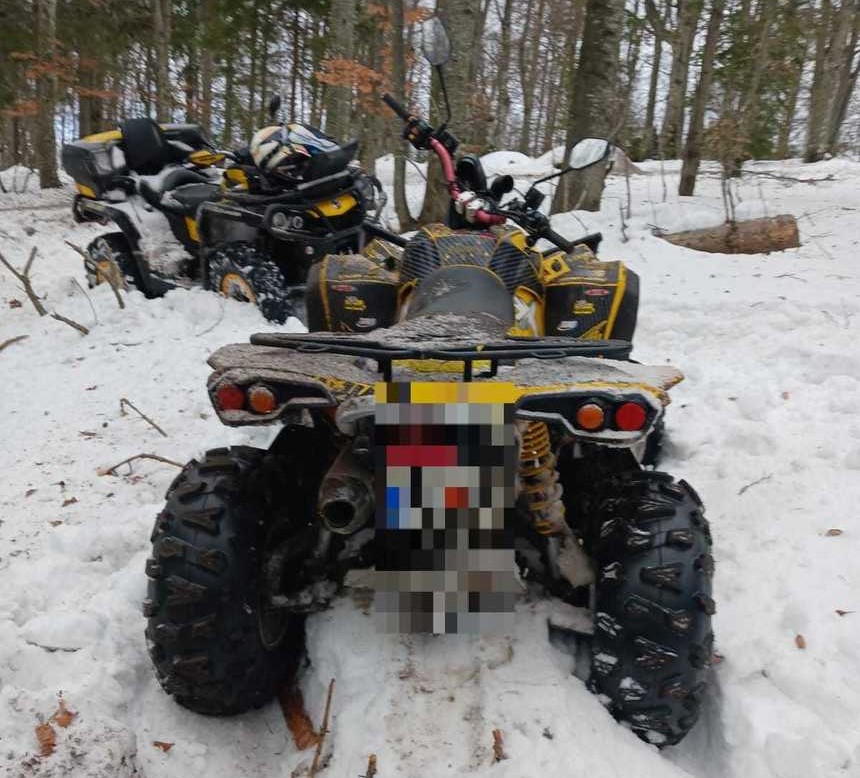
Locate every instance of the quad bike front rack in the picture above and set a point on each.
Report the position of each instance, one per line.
(511, 349)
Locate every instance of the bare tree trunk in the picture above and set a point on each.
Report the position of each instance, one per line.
(461, 19)
(229, 101)
(796, 80)
(649, 138)
(594, 110)
(845, 65)
(207, 66)
(682, 46)
(503, 109)
(338, 99)
(296, 60)
(398, 84)
(527, 73)
(818, 94)
(161, 21)
(45, 140)
(692, 149)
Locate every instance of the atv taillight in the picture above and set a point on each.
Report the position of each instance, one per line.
(630, 417)
(230, 398)
(261, 399)
(590, 417)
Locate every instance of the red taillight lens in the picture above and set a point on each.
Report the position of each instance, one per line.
(261, 399)
(630, 417)
(230, 398)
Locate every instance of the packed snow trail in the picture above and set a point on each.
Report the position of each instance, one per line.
(765, 427)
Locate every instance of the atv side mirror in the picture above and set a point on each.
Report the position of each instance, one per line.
(588, 152)
(501, 186)
(274, 106)
(435, 43)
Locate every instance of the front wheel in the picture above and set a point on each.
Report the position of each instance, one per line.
(242, 272)
(215, 645)
(653, 641)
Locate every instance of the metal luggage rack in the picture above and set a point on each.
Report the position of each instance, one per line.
(511, 350)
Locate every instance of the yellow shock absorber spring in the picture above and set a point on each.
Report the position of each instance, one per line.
(539, 480)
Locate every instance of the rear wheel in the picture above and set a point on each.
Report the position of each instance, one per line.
(216, 645)
(110, 257)
(242, 272)
(653, 641)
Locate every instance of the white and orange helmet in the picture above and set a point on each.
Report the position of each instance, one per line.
(283, 149)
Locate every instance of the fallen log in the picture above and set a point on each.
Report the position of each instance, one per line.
(756, 236)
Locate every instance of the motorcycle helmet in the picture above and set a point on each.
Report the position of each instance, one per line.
(283, 150)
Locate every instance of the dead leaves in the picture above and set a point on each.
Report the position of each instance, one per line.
(63, 716)
(840, 612)
(69, 501)
(298, 722)
(46, 735)
(833, 533)
(46, 738)
(800, 641)
(162, 745)
(498, 746)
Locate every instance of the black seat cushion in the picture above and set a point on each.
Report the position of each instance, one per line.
(153, 190)
(192, 196)
(146, 149)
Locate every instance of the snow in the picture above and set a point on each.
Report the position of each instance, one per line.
(765, 427)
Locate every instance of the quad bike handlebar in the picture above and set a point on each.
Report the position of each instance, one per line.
(479, 207)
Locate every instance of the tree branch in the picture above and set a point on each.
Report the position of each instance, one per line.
(109, 277)
(10, 341)
(24, 278)
(123, 401)
(111, 470)
(79, 327)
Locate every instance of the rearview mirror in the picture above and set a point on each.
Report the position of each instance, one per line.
(435, 43)
(501, 186)
(588, 152)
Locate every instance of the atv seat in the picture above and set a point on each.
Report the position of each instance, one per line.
(159, 191)
(191, 196)
(146, 149)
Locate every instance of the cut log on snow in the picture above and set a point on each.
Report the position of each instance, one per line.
(757, 236)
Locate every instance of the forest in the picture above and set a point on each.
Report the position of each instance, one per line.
(729, 80)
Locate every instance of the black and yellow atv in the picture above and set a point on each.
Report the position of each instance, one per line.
(180, 217)
(471, 449)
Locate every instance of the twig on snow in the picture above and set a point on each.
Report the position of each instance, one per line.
(223, 301)
(10, 341)
(24, 278)
(108, 277)
(79, 327)
(84, 291)
(155, 457)
(123, 401)
(323, 730)
(755, 483)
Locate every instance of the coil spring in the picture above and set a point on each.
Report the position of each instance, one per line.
(539, 479)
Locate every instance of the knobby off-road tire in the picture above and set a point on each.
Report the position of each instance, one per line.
(111, 254)
(242, 272)
(212, 649)
(653, 641)
(654, 445)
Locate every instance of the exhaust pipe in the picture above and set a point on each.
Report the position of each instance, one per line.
(346, 495)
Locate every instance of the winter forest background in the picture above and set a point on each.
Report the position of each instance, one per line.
(721, 79)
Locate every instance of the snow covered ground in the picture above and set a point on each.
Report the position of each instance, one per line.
(766, 427)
